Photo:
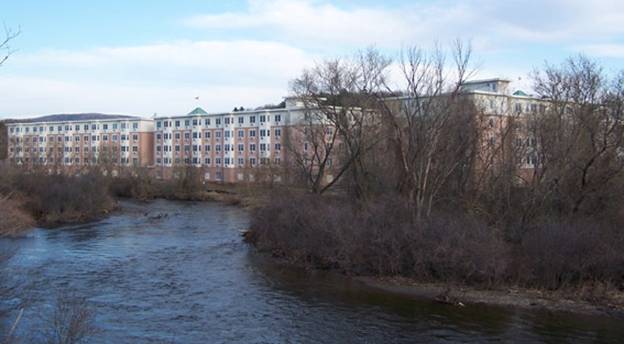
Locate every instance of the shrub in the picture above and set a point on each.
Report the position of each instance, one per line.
(378, 238)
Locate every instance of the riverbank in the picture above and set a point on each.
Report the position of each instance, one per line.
(610, 303)
(570, 266)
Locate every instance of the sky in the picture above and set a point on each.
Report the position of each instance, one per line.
(146, 57)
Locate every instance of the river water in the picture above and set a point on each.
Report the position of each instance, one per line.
(186, 277)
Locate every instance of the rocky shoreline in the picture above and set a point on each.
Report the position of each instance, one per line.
(460, 296)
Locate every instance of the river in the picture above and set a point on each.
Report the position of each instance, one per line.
(186, 277)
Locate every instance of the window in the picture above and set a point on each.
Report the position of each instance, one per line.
(177, 148)
(177, 136)
(187, 136)
(207, 134)
(177, 124)
(194, 122)
(278, 132)
(207, 161)
(252, 161)
(241, 147)
(158, 124)
(263, 147)
(218, 148)
(262, 118)
(135, 126)
(241, 161)
(241, 119)
(105, 126)
(252, 119)
(77, 138)
(227, 120)
(218, 134)
(252, 147)
(187, 122)
(278, 146)
(262, 133)
(278, 118)
(135, 137)
(227, 133)
(241, 133)
(207, 121)
(252, 133)
(158, 136)
(218, 161)
(218, 121)
(207, 148)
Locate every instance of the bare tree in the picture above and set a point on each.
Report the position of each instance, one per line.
(340, 123)
(72, 321)
(580, 137)
(5, 47)
(431, 129)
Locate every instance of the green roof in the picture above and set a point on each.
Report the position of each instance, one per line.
(520, 93)
(198, 111)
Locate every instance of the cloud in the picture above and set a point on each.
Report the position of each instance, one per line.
(490, 23)
(312, 22)
(144, 79)
(613, 50)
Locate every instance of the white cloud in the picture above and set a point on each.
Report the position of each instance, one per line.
(312, 22)
(490, 23)
(163, 78)
(603, 50)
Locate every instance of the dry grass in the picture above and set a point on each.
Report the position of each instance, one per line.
(14, 219)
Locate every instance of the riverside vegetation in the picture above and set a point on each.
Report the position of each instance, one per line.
(411, 191)
(418, 192)
(37, 196)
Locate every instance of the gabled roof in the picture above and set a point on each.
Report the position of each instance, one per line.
(198, 111)
(521, 93)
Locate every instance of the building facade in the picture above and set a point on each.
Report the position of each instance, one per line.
(74, 141)
(228, 147)
(236, 146)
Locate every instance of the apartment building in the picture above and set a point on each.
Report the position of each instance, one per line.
(229, 147)
(497, 106)
(235, 146)
(73, 141)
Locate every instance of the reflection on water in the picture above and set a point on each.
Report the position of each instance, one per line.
(178, 272)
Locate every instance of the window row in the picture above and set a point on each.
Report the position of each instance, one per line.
(217, 121)
(218, 148)
(219, 161)
(76, 127)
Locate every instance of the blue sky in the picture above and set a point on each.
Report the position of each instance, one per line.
(146, 57)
